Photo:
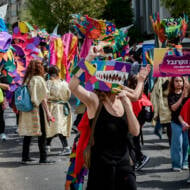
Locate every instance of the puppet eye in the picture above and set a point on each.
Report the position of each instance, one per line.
(170, 24)
(94, 65)
(175, 23)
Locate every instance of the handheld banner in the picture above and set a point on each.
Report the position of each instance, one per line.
(171, 62)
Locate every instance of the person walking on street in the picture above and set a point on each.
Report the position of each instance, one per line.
(59, 94)
(35, 122)
(110, 164)
(162, 112)
(179, 142)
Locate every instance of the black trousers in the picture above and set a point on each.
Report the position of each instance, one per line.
(2, 121)
(137, 139)
(62, 138)
(107, 174)
(111, 178)
(137, 147)
(17, 118)
(41, 141)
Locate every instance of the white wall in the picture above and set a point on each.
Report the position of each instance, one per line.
(14, 7)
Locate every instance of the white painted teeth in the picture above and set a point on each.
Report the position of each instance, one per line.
(112, 76)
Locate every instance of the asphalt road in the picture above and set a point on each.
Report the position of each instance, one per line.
(157, 174)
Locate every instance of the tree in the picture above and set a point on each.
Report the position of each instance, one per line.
(177, 7)
(49, 13)
(119, 11)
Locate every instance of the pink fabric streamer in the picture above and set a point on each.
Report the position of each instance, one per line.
(52, 53)
(85, 47)
(67, 39)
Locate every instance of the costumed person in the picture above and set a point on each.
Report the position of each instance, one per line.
(60, 109)
(6, 64)
(35, 122)
(162, 112)
(185, 122)
(143, 110)
(111, 166)
(179, 141)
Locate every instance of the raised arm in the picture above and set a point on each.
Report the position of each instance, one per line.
(133, 124)
(90, 99)
(81, 93)
(176, 105)
(134, 95)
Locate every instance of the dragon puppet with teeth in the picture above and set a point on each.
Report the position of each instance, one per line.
(103, 75)
(102, 32)
(110, 72)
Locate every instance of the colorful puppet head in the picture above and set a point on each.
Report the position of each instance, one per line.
(170, 31)
(86, 26)
(8, 65)
(25, 38)
(103, 75)
(102, 32)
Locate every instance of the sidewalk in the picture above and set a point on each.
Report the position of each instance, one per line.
(157, 174)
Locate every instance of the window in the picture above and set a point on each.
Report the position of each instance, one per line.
(13, 1)
(13, 13)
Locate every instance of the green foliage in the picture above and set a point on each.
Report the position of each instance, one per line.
(135, 35)
(119, 11)
(177, 7)
(49, 13)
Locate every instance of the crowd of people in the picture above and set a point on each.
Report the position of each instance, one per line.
(115, 91)
(119, 123)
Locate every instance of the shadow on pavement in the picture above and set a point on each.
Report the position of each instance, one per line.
(154, 141)
(154, 184)
(156, 147)
(10, 164)
(157, 161)
(154, 171)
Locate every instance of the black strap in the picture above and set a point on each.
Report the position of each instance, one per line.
(91, 140)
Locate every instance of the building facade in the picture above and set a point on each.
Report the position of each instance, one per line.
(14, 9)
(142, 11)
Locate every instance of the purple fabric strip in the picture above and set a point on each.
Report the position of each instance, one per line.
(5, 41)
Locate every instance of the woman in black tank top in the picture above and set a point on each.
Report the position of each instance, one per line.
(110, 163)
(110, 167)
